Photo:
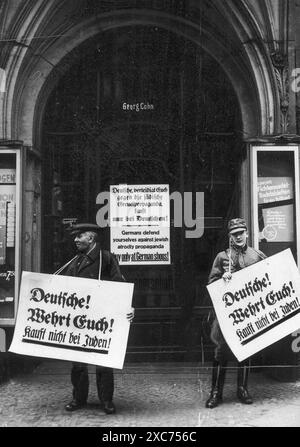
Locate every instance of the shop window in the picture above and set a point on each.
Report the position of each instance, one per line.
(275, 198)
(9, 237)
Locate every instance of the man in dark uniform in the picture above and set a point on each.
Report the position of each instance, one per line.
(238, 256)
(95, 263)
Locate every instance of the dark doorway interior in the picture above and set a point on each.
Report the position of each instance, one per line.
(188, 136)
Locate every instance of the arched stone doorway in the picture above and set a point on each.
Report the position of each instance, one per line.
(248, 67)
(188, 136)
(40, 68)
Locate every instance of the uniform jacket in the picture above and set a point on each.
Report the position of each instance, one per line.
(87, 266)
(240, 258)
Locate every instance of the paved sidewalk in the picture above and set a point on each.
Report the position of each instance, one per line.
(147, 396)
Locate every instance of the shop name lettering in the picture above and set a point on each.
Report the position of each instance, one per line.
(137, 107)
(262, 307)
(56, 320)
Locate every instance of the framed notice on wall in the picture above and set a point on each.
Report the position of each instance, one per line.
(276, 205)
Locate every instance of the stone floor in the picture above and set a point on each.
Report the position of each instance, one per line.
(162, 395)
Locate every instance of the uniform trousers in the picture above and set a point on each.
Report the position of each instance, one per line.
(222, 351)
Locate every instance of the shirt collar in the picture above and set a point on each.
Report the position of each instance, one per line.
(242, 249)
(93, 253)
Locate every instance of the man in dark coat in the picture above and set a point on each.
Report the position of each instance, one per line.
(238, 256)
(94, 263)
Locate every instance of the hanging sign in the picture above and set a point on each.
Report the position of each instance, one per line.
(68, 318)
(260, 305)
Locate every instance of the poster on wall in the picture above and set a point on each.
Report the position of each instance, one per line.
(275, 199)
(275, 189)
(76, 319)
(278, 224)
(140, 224)
(260, 305)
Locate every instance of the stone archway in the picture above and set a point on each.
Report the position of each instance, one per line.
(247, 65)
(192, 133)
(230, 35)
(38, 68)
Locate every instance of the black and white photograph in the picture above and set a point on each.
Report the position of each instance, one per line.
(149, 217)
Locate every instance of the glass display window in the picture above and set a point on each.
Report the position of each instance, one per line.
(275, 194)
(9, 234)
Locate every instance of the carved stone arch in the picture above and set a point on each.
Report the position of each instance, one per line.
(25, 18)
(247, 66)
(266, 24)
(255, 27)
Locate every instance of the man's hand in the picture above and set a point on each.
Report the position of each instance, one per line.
(130, 315)
(227, 276)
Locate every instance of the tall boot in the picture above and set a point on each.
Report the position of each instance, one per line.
(218, 378)
(242, 383)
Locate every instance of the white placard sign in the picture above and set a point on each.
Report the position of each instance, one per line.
(140, 224)
(260, 305)
(69, 318)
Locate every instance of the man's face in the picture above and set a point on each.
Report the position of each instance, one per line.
(239, 238)
(83, 241)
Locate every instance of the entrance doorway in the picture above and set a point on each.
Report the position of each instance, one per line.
(144, 106)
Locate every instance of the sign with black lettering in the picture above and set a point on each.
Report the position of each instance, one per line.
(77, 319)
(260, 305)
(140, 224)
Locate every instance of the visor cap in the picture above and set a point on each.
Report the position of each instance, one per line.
(237, 224)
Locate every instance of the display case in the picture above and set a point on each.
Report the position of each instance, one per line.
(275, 199)
(10, 228)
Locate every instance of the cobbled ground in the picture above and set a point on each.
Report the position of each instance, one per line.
(147, 396)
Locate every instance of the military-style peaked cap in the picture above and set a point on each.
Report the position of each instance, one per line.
(235, 225)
